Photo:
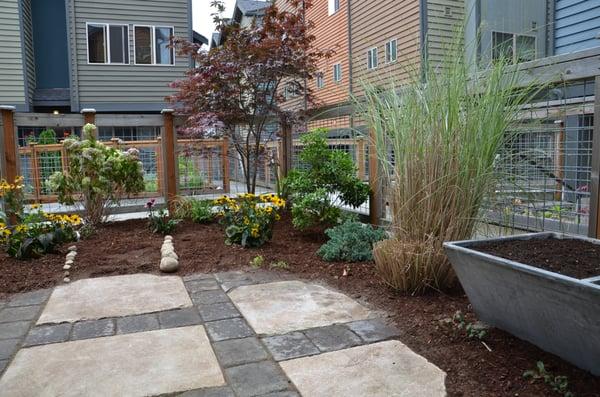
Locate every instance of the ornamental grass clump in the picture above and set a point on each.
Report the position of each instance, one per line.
(437, 139)
(98, 176)
(249, 218)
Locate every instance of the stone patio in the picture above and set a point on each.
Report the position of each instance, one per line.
(228, 334)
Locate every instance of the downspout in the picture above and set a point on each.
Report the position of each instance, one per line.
(350, 68)
(423, 35)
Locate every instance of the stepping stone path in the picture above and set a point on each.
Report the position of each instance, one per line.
(224, 335)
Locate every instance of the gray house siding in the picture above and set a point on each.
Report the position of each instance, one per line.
(577, 25)
(12, 76)
(125, 87)
(27, 34)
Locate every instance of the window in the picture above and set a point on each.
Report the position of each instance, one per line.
(320, 80)
(391, 51)
(152, 45)
(108, 43)
(334, 6)
(372, 58)
(513, 47)
(337, 72)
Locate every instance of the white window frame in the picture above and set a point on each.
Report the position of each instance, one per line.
(372, 58)
(320, 80)
(106, 27)
(335, 68)
(514, 44)
(388, 46)
(153, 46)
(333, 6)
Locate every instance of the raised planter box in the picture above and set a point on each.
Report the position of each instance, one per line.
(557, 313)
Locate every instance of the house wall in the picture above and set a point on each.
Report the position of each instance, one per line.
(124, 87)
(577, 25)
(443, 22)
(12, 76)
(331, 32)
(28, 47)
(375, 22)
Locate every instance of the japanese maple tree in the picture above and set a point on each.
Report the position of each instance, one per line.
(238, 88)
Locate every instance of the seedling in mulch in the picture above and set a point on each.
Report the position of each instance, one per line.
(257, 262)
(559, 384)
(279, 265)
(473, 330)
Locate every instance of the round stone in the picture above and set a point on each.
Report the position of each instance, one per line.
(169, 265)
(67, 280)
(67, 274)
(69, 262)
(168, 238)
(71, 255)
(170, 254)
(67, 267)
(73, 248)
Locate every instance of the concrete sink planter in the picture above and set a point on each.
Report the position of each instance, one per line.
(557, 313)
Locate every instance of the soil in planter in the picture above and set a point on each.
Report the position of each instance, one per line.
(569, 257)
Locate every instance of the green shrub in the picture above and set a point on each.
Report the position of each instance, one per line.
(328, 181)
(198, 211)
(158, 220)
(351, 242)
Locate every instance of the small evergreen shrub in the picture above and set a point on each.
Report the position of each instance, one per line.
(351, 241)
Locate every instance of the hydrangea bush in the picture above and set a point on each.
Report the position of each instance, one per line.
(98, 175)
(249, 219)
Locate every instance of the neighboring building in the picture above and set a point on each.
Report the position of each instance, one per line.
(111, 56)
(244, 13)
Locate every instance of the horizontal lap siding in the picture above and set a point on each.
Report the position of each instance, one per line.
(577, 23)
(331, 32)
(128, 84)
(28, 48)
(12, 85)
(442, 28)
(375, 22)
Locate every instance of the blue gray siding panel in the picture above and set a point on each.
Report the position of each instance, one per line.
(577, 25)
(113, 87)
(27, 36)
(12, 77)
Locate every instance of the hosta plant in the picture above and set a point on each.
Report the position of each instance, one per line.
(98, 175)
(249, 219)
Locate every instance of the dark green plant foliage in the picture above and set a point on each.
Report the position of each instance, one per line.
(327, 172)
(201, 211)
(351, 242)
(37, 246)
(160, 223)
(559, 384)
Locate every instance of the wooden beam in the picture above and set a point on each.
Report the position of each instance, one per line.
(286, 133)
(225, 165)
(89, 116)
(10, 168)
(594, 222)
(375, 196)
(169, 141)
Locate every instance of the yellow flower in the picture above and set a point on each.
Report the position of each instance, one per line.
(254, 232)
(277, 217)
(21, 228)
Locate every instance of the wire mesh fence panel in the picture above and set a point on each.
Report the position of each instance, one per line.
(202, 166)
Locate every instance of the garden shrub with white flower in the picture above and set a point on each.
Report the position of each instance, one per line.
(249, 218)
(33, 234)
(98, 175)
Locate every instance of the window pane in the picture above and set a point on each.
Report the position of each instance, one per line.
(143, 45)
(119, 44)
(525, 50)
(164, 54)
(502, 46)
(96, 44)
(391, 51)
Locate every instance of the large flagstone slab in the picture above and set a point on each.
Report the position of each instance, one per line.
(281, 307)
(386, 369)
(141, 364)
(116, 296)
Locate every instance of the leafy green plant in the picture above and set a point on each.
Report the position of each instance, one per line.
(351, 241)
(189, 175)
(159, 221)
(98, 175)
(559, 384)
(249, 219)
(198, 211)
(472, 330)
(257, 262)
(279, 265)
(327, 181)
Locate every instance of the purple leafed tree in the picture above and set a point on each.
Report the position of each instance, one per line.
(237, 89)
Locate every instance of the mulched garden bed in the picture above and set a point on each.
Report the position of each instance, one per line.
(569, 257)
(473, 370)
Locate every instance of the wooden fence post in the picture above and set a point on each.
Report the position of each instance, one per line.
(594, 221)
(225, 165)
(89, 116)
(360, 157)
(376, 196)
(286, 156)
(10, 167)
(169, 142)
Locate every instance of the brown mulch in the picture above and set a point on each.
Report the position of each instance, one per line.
(569, 257)
(473, 370)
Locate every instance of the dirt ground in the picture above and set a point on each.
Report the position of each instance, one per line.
(473, 370)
